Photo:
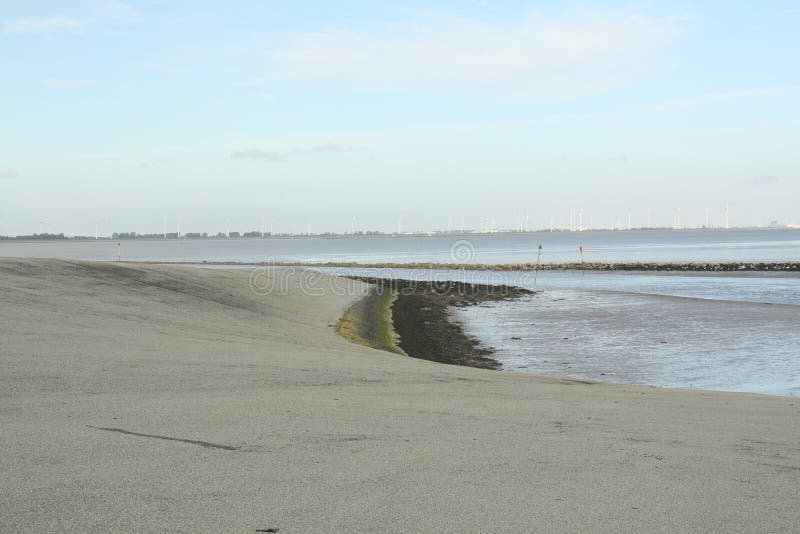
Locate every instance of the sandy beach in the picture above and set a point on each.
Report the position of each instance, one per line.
(176, 399)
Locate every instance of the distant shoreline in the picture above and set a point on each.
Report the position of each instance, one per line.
(49, 237)
(654, 267)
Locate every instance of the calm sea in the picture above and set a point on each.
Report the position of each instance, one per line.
(557, 247)
(731, 332)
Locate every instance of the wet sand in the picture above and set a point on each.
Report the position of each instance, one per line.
(154, 398)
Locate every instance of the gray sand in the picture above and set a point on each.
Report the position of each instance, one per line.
(169, 399)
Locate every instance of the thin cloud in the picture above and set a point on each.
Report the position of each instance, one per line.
(5, 172)
(710, 98)
(331, 147)
(67, 83)
(101, 9)
(174, 70)
(274, 155)
(750, 93)
(258, 154)
(44, 25)
(765, 180)
(154, 163)
(582, 54)
(113, 9)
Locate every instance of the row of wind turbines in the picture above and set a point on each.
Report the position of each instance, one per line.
(618, 223)
(575, 221)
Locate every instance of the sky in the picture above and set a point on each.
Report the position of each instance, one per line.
(209, 116)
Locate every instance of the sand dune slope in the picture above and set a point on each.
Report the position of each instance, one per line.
(166, 399)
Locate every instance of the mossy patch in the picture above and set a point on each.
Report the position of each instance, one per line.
(369, 321)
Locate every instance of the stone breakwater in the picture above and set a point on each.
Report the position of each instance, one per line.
(420, 318)
(456, 293)
(587, 266)
(697, 267)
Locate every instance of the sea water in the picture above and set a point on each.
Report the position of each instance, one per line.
(645, 339)
(774, 245)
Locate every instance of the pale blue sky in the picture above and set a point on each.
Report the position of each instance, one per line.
(204, 112)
